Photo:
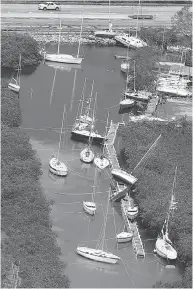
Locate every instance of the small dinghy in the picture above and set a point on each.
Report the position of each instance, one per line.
(89, 207)
(101, 162)
(124, 237)
(87, 156)
(57, 167)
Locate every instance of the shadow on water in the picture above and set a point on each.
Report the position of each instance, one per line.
(10, 72)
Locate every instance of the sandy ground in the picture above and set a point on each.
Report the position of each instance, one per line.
(15, 14)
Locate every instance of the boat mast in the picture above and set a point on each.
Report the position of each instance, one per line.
(79, 39)
(81, 100)
(110, 28)
(61, 132)
(154, 144)
(137, 19)
(134, 76)
(59, 38)
(105, 225)
(106, 129)
(181, 63)
(90, 99)
(18, 70)
(93, 118)
(94, 185)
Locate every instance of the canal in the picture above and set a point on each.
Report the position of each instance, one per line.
(42, 114)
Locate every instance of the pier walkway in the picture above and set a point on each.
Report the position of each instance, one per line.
(152, 106)
(118, 189)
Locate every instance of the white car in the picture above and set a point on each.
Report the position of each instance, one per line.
(49, 6)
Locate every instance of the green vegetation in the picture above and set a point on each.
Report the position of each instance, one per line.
(182, 21)
(155, 182)
(25, 211)
(14, 44)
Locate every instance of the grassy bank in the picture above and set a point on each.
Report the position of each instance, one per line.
(155, 182)
(25, 211)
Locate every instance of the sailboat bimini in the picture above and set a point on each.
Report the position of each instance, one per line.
(99, 254)
(163, 245)
(55, 165)
(64, 58)
(16, 86)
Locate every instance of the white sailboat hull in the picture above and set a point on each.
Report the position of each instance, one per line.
(124, 176)
(59, 169)
(130, 41)
(14, 87)
(101, 163)
(137, 96)
(105, 34)
(124, 237)
(63, 58)
(126, 103)
(132, 215)
(63, 66)
(87, 158)
(87, 207)
(97, 255)
(165, 250)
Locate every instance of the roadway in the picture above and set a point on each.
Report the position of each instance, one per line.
(93, 15)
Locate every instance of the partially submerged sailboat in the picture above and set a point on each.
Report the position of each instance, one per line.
(131, 41)
(56, 166)
(106, 33)
(16, 85)
(90, 207)
(64, 58)
(99, 254)
(163, 245)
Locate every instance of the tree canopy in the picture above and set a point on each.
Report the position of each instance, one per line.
(14, 44)
(182, 21)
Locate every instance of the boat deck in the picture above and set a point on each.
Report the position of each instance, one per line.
(152, 106)
(119, 189)
(132, 227)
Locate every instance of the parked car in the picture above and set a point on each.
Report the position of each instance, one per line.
(142, 16)
(49, 6)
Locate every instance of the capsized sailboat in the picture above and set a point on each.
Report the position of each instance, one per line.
(106, 33)
(90, 207)
(99, 254)
(163, 245)
(56, 166)
(64, 58)
(16, 85)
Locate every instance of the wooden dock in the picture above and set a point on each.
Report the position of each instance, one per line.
(118, 189)
(152, 106)
(132, 227)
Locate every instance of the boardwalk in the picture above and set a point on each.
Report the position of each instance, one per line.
(118, 189)
(132, 227)
(152, 106)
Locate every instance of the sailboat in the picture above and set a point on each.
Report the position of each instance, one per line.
(131, 210)
(124, 237)
(131, 41)
(55, 165)
(106, 33)
(87, 154)
(90, 207)
(84, 133)
(85, 118)
(129, 178)
(99, 254)
(64, 58)
(138, 96)
(101, 162)
(163, 245)
(126, 102)
(16, 86)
